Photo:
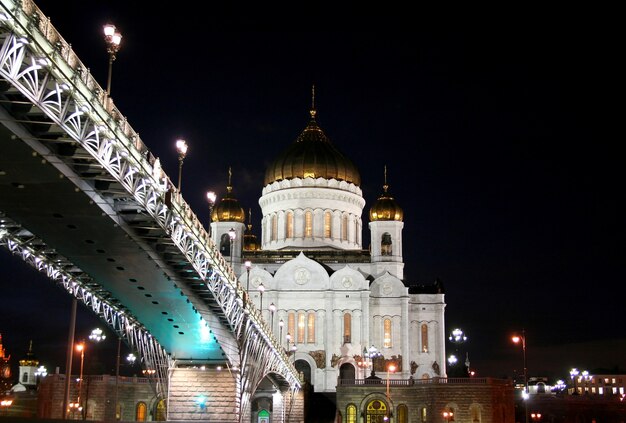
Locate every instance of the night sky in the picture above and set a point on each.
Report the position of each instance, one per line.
(499, 142)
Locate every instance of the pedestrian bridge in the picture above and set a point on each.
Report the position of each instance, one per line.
(84, 201)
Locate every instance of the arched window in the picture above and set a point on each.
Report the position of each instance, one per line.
(344, 228)
(308, 224)
(423, 413)
(225, 245)
(424, 338)
(327, 225)
(387, 333)
(475, 413)
(141, 412)
(347, 328)
(160, 411)
(376, 410)
(385, 245)
(289, 224)
(274, 235)
(310, 329)
(25, 377)
(351, 414)
(301, 326)
(403, 414)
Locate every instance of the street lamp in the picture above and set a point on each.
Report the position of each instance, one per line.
(373, 354)
(452, 360)
(280, 336)
(232, 234)
(211, 197)
(248, 267)
(112, 39)
(517, 339)
(261, 289)
(131, 358)
(288, 337)
(181, 147)
(535, 416)
(97, 335)
(390, 368)
(272, 308)
(448, 415)
(80, 348)
(574, 375)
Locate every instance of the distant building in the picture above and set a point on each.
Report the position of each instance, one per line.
(480, 400)
(5, 370)
(136, 397)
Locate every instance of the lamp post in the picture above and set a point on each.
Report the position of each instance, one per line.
(280, 330)
(232, 234)
(390, 368)
(211, 197)
(373, 354)
(522, 339)
(272, 308)
(574, 375)
(288, 337)
(117, 376)
(248, 267)
(261, 289)
(535, 417)
(80, 348)
(112, 38)
(181, 147)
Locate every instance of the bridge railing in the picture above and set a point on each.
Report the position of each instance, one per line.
(87, 91)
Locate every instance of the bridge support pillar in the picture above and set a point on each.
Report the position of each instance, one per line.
(203, 394)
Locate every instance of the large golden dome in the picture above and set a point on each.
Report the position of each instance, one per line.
(312, 155)
(385, 207)
(228, 209)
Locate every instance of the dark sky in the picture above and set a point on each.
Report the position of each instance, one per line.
(499, 139)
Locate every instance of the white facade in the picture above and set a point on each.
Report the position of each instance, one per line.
(334, 298)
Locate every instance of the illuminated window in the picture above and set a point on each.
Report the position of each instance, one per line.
(308, 224)
(301, 328)
(140, 412)
(351, 414)
(403, 414)
(327, 225)
(387, 333)
(385, 245)
(347, 328)
(289, 228)
(424, 338)
(160, 411)
(344, 228)
(310, 330)
(274, 228)
(423, 414)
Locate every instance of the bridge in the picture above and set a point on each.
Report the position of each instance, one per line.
(84, 201)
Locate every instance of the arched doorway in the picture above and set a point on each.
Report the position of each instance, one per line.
(304, 370)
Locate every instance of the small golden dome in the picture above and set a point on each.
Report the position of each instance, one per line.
(385, 207)
(228, 209)
(250, 242)
(312, 155)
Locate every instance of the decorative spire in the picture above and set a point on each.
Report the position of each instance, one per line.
(313, 111)
(385, 186)
(229, 187)
(249, 219)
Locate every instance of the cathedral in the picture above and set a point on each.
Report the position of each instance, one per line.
(341, 311)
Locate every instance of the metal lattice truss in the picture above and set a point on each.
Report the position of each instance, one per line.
(77, 283)
(39, 64)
